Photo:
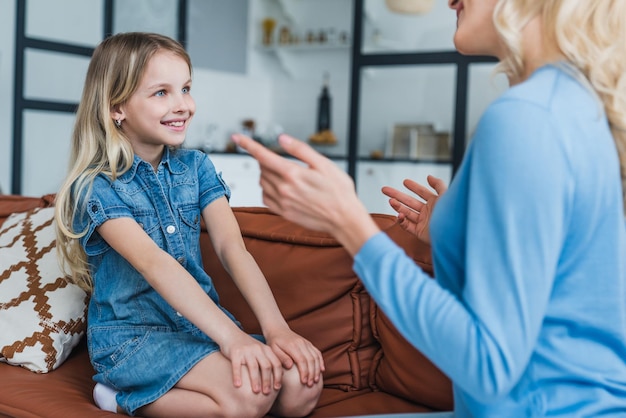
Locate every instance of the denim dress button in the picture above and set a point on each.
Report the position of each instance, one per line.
(170, 229)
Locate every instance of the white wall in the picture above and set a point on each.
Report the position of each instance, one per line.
(386, 31)
(484, 87)
(223, 100)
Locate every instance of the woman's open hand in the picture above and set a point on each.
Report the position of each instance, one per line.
(414, 214)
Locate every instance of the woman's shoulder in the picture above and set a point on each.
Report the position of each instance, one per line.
(552, 87)
(551, 96)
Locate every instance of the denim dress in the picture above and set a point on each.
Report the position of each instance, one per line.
(138, 344)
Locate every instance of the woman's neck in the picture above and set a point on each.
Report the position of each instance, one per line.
(537, 50)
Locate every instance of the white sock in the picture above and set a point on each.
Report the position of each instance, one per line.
(104, 397)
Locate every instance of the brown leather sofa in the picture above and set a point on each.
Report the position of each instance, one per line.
(370, 368)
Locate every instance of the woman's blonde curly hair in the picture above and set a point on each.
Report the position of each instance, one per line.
(591, 35)
(98, 145)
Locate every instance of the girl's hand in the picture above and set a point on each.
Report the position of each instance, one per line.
(263, 365)
(293, 349)
(413, 214)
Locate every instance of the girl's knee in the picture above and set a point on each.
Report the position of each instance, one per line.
(307, 402)
(296, 399)
(249, 404)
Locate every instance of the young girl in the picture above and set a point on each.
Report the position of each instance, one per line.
(129, 224)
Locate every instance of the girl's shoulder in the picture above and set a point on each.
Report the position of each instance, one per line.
(189, 157)
(186, 153)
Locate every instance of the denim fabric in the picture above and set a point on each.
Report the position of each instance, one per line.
(138, 344)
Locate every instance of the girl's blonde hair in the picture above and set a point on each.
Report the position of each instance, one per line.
(591, 35)
(98, 145)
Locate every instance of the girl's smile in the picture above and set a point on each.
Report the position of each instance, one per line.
(176, 125)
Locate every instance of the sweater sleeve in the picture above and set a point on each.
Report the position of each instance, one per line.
(514, 195)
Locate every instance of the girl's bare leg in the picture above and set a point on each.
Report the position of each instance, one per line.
(294, 398)
(208, 390)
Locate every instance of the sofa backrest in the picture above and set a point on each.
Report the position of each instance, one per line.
(322, 298)
(329, 305)
(12, 203)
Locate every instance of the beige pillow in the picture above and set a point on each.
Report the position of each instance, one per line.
(42, 317)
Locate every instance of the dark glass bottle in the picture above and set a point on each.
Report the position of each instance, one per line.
(323, 108)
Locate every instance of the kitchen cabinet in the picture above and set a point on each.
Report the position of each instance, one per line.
(373, 175)
(241, 173)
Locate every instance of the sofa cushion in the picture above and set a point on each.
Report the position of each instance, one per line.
(328, 305)
(399, 368)
(42, 316)
(336, 403)
(64, 393)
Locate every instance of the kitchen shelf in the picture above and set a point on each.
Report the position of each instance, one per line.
(304, 47)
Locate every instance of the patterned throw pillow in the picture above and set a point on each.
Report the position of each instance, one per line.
(42, 317)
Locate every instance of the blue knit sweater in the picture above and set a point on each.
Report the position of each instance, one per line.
(527, 314)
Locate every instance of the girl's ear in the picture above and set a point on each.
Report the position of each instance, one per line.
(117, 113)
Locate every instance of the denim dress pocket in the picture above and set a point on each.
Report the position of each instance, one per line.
(149, 221)
(190, 227)
(113, 348)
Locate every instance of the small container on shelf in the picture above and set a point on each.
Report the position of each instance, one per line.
(268, 25)
(284, 36)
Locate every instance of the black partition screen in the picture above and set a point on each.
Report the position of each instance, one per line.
(21, 104)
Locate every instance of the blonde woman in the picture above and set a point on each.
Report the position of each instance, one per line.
(527, 312)
(129, 224)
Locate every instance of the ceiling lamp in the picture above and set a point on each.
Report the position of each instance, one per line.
(410, 6)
